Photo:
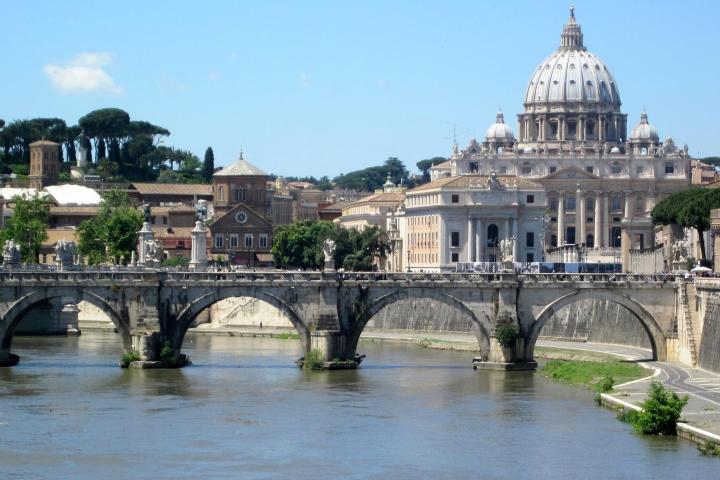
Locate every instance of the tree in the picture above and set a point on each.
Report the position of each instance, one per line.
(373, 178)
(660, 412)
(424, 166)
(690, 209)
(113, 232)
(27, 225)
(208, 166)
(103, 125)
(167, 175)
(365, 248)
(299, 244)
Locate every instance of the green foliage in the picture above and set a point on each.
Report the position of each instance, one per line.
(689, 208)
(715, 161)
(27, 225)
(313, 360)
(287, 336)
(660, 412)
(709, 449)
(175, 262)
(372, 178)
(208, 166)
(424, 166)
(299, 245)
(605, 384)
(506, 334)
(128, 357)
(600, 376)
(113, 232)
(167, 354)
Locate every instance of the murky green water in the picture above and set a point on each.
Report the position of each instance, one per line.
(245, 411)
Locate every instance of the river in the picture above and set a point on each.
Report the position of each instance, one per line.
(243, 410)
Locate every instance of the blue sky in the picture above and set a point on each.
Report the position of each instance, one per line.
(321, 87)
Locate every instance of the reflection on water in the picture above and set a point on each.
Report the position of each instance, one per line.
(243, 410)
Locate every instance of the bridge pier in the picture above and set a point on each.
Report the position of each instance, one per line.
(8, 359)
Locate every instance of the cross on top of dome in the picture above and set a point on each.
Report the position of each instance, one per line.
(572, 36)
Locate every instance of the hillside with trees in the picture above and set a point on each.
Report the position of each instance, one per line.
(119, 148)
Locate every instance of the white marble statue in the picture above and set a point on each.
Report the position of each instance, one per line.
(679, 250)
(152, 250)
(12, 253)
(506, 250)
(329, 251)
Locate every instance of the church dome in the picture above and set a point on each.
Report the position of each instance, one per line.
(645, 131)
(573, 75)
(499, 131)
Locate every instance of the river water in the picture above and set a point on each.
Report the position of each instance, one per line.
(243, 410)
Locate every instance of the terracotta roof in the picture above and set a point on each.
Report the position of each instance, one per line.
(381, 197)
(239, 167)
(172, 209)
(444, 165)
(172, 188)
(469, 181)
(44, 142)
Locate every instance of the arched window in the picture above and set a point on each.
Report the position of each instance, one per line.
(492, 235)
(570, 235)
(590, 241)
(615, 234)
(553, 240)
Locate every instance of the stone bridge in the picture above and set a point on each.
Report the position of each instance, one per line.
(154, 309)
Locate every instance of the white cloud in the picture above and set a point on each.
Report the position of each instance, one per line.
(304, 80)
(83, 74)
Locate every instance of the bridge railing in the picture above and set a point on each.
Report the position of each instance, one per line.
(134, 275)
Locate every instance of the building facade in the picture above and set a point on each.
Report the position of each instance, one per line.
(594, 185)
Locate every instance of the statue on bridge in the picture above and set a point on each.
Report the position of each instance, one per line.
(329, 251)
(65, 254)
(12, 253)
(152, 251)
(506, 249)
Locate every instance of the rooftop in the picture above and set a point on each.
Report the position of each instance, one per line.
(172, 188)
(238, 168)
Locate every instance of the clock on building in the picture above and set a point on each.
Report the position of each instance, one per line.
(241, 217)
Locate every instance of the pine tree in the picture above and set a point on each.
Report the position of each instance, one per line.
(208, 167)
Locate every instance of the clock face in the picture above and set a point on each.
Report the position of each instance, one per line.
(241, 217)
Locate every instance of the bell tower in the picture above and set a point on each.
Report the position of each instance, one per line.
(44, 164)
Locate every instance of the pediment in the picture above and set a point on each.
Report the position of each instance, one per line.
(242, 215)
(570, 173)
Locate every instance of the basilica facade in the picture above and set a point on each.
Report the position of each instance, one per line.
(573, 175)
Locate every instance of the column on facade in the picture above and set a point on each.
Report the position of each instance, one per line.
(516, 234)
(479, 241)
(628, 205)
(561, 219)
(580, 235)
(606, 220)
(580, 128)
(561, 129)
(470, 240)
(506, 231)
(600, 135)
(598, 219)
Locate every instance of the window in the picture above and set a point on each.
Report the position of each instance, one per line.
(530, 199)
(454, 257)
(526, 169)
(152, 219)
(455, 239)
(616, 205)
(589, 204)
(263, 240)
(553, 240)
(589, 169)
(570, 235)
(221, 193)
(473, 167)
(218, 240)
(530, 239)
(590, 241)
(553, 169)
(455, 199)
(570, 203)
(615, 236)
(640, 204)
(164, 220)
(669, 168)
(234, 240)
(503, 170)
(530, 257)
(248, 240)
(616, 169)
(553, 203)
(639, 170)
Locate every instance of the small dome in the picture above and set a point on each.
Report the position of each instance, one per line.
(615, 150)
(644, 131)
(499, 131)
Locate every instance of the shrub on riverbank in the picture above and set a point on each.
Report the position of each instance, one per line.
(506, 334)
(128, 357)
(600, 376)
(659, 414)
(313, 360)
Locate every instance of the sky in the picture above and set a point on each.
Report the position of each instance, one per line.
(327, 87)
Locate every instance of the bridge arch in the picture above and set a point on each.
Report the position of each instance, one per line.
(16, 312)
(480, 327)
(186, 316)
(652, 328)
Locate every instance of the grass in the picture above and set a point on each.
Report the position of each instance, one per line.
(600, 376)
(709, 449)
(287, 336)
(313, 360)
(129, 357)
